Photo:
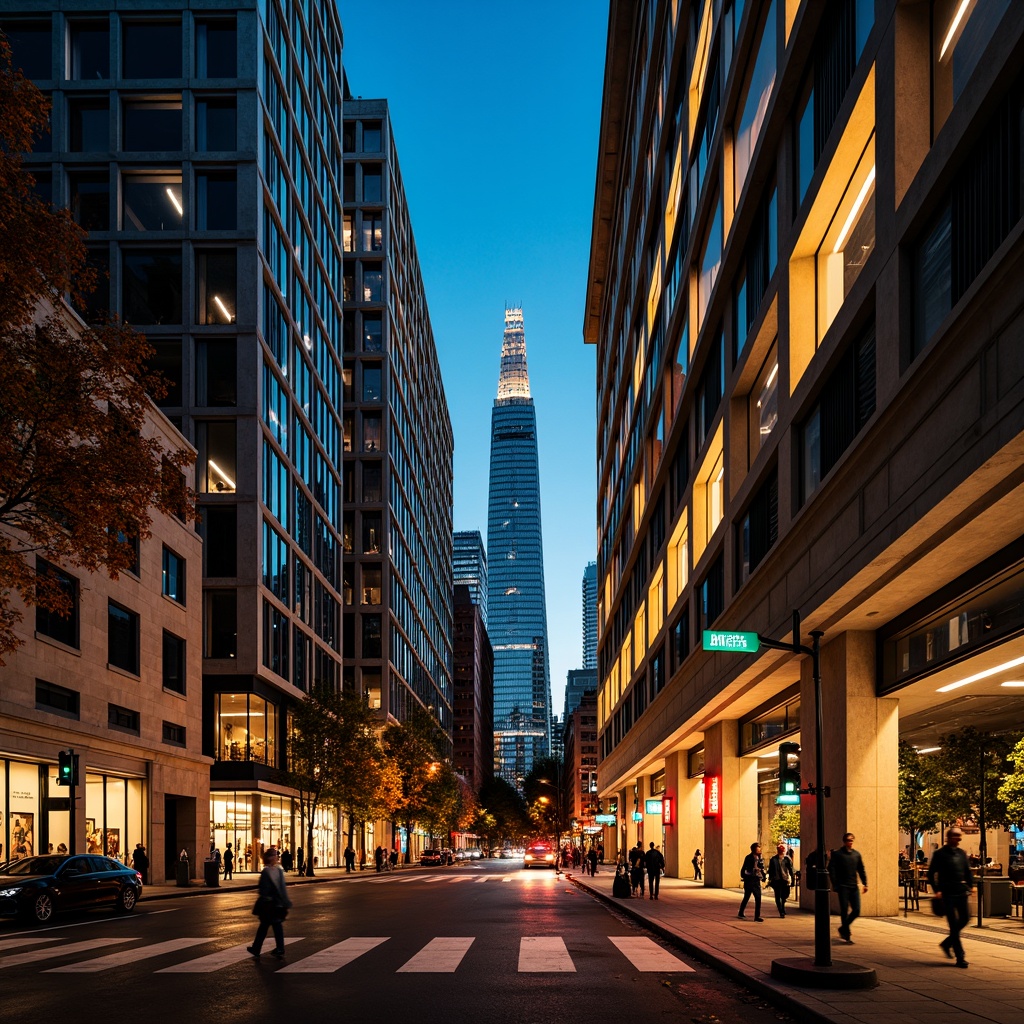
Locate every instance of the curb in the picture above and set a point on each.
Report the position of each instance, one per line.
(778, 998)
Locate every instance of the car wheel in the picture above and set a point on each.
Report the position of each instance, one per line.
(127, 899)
(42, 908)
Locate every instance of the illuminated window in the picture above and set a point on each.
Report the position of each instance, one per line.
(708, 495)
(246, 728)
(678, 559)
(763, 403)
(215, 468)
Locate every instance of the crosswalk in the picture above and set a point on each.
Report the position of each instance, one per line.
(526, 877)
(537, 954)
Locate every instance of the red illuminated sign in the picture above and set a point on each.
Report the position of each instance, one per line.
(712, 796)
(666, 810)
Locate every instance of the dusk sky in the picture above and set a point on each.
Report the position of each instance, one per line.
(495, 109)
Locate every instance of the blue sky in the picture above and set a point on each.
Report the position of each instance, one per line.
(496, 110)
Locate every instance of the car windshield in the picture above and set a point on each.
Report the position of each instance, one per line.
(33, 866)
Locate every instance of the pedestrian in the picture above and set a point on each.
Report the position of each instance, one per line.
(300, 860)
(698, 862)
(655, 864)
(350, 859)
(229, 861)
(286, 860)
(600, 853)
(378, 859)
(951, 881)
(393, 860)
(272, 905)
(780, 877)
(753, 875)
(636, 869)
(139, 861)
(592, 858)
(844, 868)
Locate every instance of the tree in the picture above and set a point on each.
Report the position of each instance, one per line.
(503, 814)
(785, 824)
(920, 793)
(1011, 792)
(78, 476)
(442, 801)
(959, 764)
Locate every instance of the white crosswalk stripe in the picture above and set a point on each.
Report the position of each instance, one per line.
(646, 955)
(33, 955)
(215, 961)
(127, 956)
(334, 957)
(544, 954)
(439, 956)
(21, 943)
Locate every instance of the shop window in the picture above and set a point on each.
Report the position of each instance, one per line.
(174, 666)
(373, 231)
(88, 50)
(89, 196)
(215, 468)
(216, 125)
(58, 700)
(763, 404)
(372, 190)
(371, 137)
(961, 31)
(31, 47)
(371, 636)
(371, 382)
(754, 102)
(276, 640)
(122, 638)
(373, 283)
(173, 577)
(220, 623)
(216, 201)
(771, 725)
(151, 49)
(246, 728)
(167, 361)
(216, 372)
(219, 530)
(152, 126)
(759, 529)
(62, 628)
(216, 286)
(151, 202)
(88, 125)
(123, 719)
(216, 48)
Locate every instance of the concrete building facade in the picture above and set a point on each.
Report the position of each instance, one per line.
(473, 735)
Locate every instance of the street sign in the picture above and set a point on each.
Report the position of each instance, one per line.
(605, 819)
(731, 640)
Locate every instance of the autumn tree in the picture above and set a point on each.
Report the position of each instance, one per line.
(1011, 791)
(79, 478)
(503, 813)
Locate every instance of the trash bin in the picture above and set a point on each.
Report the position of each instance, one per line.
(211, 872)
(181, 873)
(998, 897)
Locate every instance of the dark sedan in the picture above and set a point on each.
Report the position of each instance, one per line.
(35, 888)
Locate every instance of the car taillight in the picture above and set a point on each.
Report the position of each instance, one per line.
(138, 875)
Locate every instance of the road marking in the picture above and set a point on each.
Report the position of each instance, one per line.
(127, 956)
(484, 879)
(21, 943)
(646, 955)
(546, 953)
(215, 961)
(439, 956)
(32, 955)
(333, 957)
(508, 878)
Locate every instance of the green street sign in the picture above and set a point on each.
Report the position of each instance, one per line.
(736, 642)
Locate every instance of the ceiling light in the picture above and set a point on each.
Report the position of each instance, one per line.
(1013, 682)
(174, 199)
(852, 216)
(981, 675)
(220, 472)
(953, 26)
(223, 308)
(927, 750)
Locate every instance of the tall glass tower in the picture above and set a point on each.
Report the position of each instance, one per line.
(517, 614)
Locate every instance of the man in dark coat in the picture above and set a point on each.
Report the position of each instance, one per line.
(636, 869)
(141, 862)
(780, 877)
(951, 880)
(654, 862)
(752, 874)
(844, 868)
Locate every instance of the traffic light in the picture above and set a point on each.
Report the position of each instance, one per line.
(66, 774)
(789, 774)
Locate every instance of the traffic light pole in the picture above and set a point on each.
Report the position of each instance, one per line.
(73, 786)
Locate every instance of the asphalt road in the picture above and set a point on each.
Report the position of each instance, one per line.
(486, 942)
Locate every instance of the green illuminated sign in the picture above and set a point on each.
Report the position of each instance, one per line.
(737, 642)
(605, 819)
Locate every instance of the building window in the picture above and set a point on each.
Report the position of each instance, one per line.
(302, 657)
(275, 640)
(371, 434)
(88, 50)
(151, 286)
(62, 628)
(711, 388)
(216, 48)
(216, 373)
(760, 260)
(152, 126)
(679, 642)
(219, 531)
(31, 47)
(754, 102)
(372, 190)
(246, 728)
(220, 623)
(371, 584)
(122, 719)
(763, 404)
(173, 579)
(712, 593)
(348, 234)
(122, 638)
(371, 533)
(708, 495)
(151, 202)
(172, 488)
(373, 283)
(371, 382)
(275, 562)
(372, 491)
(759, 528)
(277, 485)
(373, 231)
(371, 137)
(371, 636)
(174, 734)
(173, 662)
(216, 201)
(57, 700)
(151, 49)
(216, 286)
(216, 465)
(215, 125)
(88, 125)
(166, 361)
(373, 329)
(89, 195)
(710, 262)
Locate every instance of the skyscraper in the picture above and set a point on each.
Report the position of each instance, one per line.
(469, 568)
(590, 616)
(517, 611)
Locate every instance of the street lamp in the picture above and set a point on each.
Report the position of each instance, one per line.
(558, 821)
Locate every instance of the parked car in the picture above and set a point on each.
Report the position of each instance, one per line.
(506, 853)
(447, 856)
(473, 853)
(35, 888)
(539, 855)
(431, 858)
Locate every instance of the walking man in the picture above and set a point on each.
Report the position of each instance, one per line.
(780, 877)
(951, 880)
(752, 874)
(229, 862)
(655, 862)
(636, 869)
(844, 868)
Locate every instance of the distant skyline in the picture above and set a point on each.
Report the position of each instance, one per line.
(495, 112)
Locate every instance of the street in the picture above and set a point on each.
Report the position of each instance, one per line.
(487, 942)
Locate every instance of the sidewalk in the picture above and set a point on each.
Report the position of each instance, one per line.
(917, 984)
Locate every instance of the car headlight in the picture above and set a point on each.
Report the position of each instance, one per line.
(11, 892)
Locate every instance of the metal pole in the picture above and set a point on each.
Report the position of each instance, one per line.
(822, 937)
(983, 846)
(72, 792)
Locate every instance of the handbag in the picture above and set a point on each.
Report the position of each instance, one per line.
(262, 906)
(938, 906)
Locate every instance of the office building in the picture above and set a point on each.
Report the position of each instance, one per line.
(580, 767)
(473, 734)
(517, 614)
(469, 567)
(590, 616)
(804, 290)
